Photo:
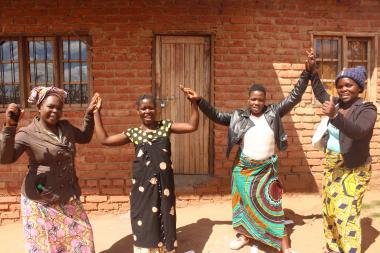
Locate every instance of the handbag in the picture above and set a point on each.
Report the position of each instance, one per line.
(319, 132)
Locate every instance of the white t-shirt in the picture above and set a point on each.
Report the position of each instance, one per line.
(258, 141)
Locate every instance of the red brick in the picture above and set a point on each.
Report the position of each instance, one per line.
(104, 182)
(96, 199)
(10, 215)
(118, 199)
(4, 207)
(290, 162)
(118, 182)
(123, 207)
(108, 206)
(9, 199)
(315, 154)
(241, 20)
(112, 191)
(90, 206)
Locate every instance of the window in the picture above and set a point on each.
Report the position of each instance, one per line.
(9, 72)
(334, 53)
(26, 62)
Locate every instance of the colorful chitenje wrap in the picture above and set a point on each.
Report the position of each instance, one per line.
(342, 193)
(39, 93)
(257, 200)
(153, 211)
(56, 228)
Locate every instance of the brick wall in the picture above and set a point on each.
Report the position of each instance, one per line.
(254, 41)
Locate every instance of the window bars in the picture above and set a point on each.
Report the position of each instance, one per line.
(9, 72)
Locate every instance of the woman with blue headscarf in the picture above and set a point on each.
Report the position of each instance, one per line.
(347, 168)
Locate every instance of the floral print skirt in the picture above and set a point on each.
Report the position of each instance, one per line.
(56, 228)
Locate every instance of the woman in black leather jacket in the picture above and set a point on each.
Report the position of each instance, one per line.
(256, 190)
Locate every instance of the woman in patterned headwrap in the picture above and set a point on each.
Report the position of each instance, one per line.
(153, 213)
(53, 217)
(348, 162)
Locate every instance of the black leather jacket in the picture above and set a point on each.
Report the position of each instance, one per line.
(239, 122)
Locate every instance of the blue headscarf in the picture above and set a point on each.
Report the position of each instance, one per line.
(358, 74)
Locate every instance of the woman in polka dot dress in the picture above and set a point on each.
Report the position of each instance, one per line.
(153, 213)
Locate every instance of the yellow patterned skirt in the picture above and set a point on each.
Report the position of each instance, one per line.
(342, 192)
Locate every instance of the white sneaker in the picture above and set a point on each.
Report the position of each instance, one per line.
(254, 249)
(238, 243)
(288, 222)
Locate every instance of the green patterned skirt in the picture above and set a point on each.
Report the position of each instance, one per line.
(257, 200)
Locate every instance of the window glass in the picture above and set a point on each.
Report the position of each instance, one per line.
(9, 72)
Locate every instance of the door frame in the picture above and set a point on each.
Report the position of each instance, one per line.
(211, 152)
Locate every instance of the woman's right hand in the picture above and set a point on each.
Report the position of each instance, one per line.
(191, 94)
(310, 64)
(95, 104)
(13, 114)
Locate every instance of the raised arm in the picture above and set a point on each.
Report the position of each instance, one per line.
(310, 73)
(101, 134)
(318, 89)
(192, 125)
(11, 148)
(222, 118)
(84, 134)
(295, 95)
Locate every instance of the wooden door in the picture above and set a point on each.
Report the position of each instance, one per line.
(184, 60)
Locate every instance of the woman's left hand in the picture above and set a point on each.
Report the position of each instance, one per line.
(93, 105)
(328, 108)
(310, 64)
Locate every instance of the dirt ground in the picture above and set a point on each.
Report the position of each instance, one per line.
(206, 227)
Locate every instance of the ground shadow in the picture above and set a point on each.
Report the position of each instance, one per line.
(124, 245)
(199, 232)
(298, 220)
(369, 233)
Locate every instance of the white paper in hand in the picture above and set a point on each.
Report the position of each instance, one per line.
(321, 129)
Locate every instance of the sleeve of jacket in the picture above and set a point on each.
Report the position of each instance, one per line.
(84, 135)
(222, 118)
(295, 95)
(319, 91)
(11, 147)
(361, 126)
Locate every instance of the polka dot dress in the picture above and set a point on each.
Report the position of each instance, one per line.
(153, 214)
